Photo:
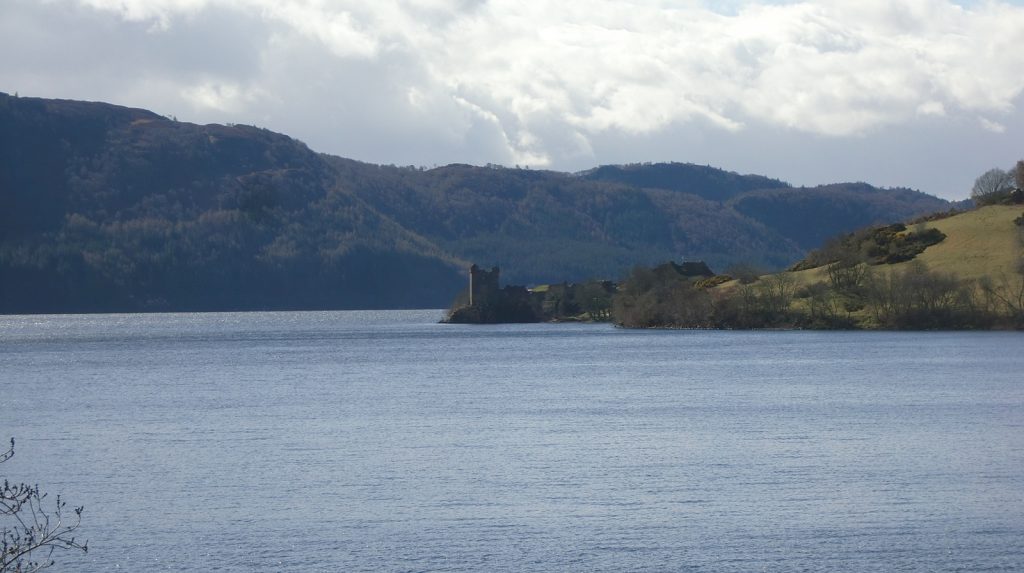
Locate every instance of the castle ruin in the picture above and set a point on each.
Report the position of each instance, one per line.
(483, 285)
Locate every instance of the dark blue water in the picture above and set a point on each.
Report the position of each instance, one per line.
(386, 442)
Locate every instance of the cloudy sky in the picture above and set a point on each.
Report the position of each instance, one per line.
(916, 93)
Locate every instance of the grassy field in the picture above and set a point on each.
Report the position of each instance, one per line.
(978, 243)
(982, 242)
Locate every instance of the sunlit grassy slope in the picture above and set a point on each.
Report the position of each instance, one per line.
(981, 242)
(978, 243)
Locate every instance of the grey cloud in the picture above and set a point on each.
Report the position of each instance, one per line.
(386, 110)
(934, 155)
(805, 91)
(68, 50)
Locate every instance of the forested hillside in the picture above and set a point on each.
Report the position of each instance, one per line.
(543, 226)
(703, 181)
(108, 208)
(809, 215)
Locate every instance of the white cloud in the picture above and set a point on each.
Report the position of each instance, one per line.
(993, 126)
(934, 108)
(228, 97)
(159, 12)
(339, 31)
(542, 80)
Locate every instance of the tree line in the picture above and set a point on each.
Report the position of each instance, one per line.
(853, 296)
(997, 186)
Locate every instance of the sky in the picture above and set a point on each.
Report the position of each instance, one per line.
(926, 94)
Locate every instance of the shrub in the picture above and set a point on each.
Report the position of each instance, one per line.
(28, 529)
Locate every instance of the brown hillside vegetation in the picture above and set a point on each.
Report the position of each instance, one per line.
(973, 277)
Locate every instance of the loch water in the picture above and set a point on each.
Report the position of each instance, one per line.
(383, 441)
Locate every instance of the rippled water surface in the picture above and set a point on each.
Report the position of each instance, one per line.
(362, 441)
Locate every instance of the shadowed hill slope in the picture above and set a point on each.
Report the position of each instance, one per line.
(810, 215)
(114, 209)
(104, 207)
(703, 181)
(543, 226)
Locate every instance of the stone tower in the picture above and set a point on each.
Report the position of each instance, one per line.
(483, 285)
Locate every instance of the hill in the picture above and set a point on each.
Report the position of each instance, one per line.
(807, 214)
(114, 209)
(544, 226)
(702, 181)
(986, 242)
(107, 208)
(983, 242)
(941, 272)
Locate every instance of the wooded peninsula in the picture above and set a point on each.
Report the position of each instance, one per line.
(946, 271)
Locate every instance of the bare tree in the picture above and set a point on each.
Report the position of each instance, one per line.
(847, 274)
(1018, 174)
(822, 303)
(991, 186)
(777, 293)
(1007, 293)
(916, 297)
(28, 529)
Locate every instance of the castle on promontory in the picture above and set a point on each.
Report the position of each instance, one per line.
(488, 303)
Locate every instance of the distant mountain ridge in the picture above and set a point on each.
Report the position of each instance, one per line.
(108, 208)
